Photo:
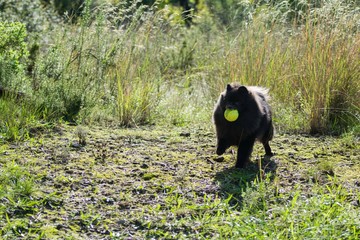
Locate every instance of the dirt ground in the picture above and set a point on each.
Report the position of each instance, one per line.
(99, 183)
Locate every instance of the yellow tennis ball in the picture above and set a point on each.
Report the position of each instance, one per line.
(231, 115)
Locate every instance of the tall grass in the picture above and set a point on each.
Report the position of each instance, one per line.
(16, 120)
(311, 69)
(134, 66)
(97, 71)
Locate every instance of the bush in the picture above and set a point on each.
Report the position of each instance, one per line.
(13, 50)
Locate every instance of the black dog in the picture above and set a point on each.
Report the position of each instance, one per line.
(254, 121)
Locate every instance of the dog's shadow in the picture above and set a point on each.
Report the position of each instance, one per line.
(233, 182)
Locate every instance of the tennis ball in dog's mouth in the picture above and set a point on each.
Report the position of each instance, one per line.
(231, 115)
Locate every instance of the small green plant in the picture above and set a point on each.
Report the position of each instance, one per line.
(326, 167)
(16, 120)
(16, 182)
(81, 134)
(17, 187)
(85, 220)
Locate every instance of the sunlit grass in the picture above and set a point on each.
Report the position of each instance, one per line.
(97, 72)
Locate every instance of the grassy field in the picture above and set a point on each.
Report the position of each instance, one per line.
(151, 182)
(106, 132)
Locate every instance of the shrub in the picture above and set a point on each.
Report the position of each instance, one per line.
(13, 50)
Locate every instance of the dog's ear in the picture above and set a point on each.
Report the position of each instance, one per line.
(243, 91)
(228, 87)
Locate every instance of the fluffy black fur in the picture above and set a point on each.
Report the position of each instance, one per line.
(254, 121)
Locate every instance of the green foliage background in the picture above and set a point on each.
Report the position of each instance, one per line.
(140, 62)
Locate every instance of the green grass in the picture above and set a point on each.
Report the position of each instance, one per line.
(263, 215)
(154, 183)
(17, 188)
(17, 120)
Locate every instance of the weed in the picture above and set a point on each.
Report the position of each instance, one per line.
(17, 190)
(81, 133)
(327, 167)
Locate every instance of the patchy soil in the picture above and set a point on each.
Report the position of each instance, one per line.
(98, 183)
